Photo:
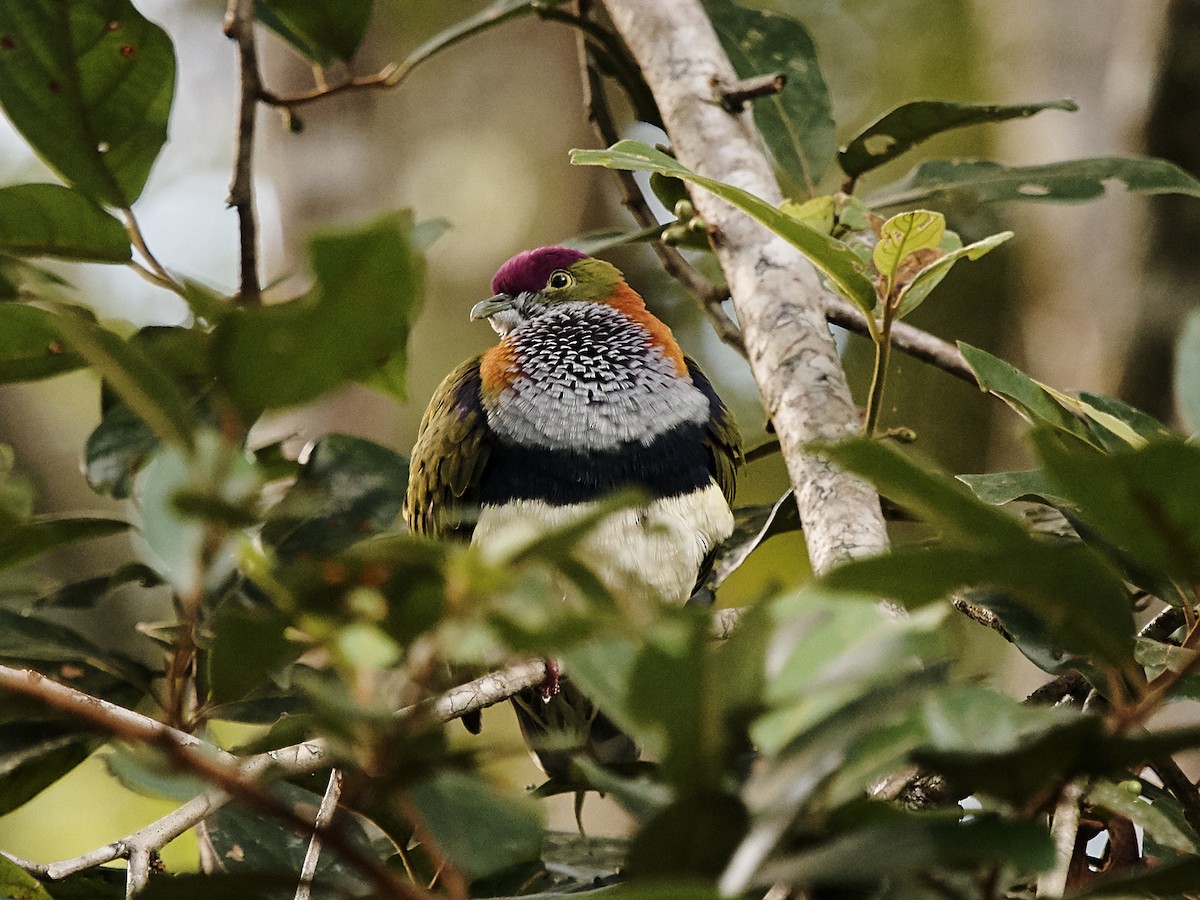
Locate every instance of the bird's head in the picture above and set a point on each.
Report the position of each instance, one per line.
(534, 282)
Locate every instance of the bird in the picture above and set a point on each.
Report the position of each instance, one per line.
(586, 393)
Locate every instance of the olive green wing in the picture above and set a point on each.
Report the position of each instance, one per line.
(452, 449)
(722, 435)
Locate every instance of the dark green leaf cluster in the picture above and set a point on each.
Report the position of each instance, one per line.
(830, 744)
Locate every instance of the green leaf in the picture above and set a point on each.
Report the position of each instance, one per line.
(51, 220)
(829, 652)
(693, 837)
(100, 883)
(348, 489)
(368, 287)
(1028, 398)
(1069, 587)
(135, 378)
(906, 233)
(1120, 426)
(36, 754)
(177, 535)
(17, 884)
(1078, 746)
(116, 449)
(999, 488)
(817, 213)
(322, 32)
(1187, 373)
(30, 540)
(796, 123)
(29, 345)
(89, 85)
(593, 242)
(1073, 181)
(248, 644)
(753, 525)
(478, 830)
(930, 496)
(1146, 502)
(1116, 798)
(491, 15)
(249, 842)
(901, 129)
(87, 593)
(1176, 878)
(913, 845)
(834, 259)
(914, 293)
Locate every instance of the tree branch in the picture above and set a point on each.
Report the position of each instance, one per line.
(239, 27)
(329, 802)
(297, 759)
(775, 291)
(709, 296)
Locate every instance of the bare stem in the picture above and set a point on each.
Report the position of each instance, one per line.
(883, 355)
(329, 802)
(384, 78)
(239, 27)
(153, 271)
(297, 759)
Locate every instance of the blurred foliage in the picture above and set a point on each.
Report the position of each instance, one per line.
(302, 611)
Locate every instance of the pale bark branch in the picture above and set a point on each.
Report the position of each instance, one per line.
(329, 802)
(297, 759)
(775, 291)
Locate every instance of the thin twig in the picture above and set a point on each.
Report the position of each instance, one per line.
(239, 27)
(733, 98)
(329, 802)
(1064, 830)
(384, 78)
(297, 759)
(155, 271)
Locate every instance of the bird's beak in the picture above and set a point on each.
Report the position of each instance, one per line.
(485, 309)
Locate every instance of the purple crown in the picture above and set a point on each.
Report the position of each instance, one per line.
(527, 272)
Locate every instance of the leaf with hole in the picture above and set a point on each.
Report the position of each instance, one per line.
(834, 259)
(89, 85)
(898, 131)
(1073, 181)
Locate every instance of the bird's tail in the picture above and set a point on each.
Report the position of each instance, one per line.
(569, 725)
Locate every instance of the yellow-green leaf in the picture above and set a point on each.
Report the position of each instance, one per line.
(908, 232)
(914, 293)
(833, 258)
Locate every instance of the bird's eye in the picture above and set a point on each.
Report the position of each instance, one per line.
(560, 279)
